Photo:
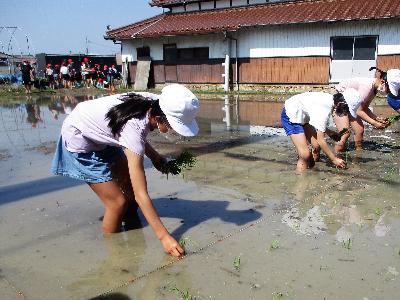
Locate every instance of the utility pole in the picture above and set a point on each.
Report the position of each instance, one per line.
(87, 48)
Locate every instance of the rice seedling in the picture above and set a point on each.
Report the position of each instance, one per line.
(236, 263)
(343, 131)
(391, 174)
(277, 295)
(185, 160)
(274, 245)
(184, 295)
(185, 241)
(347, 244)
(378, 211)
(393, 119)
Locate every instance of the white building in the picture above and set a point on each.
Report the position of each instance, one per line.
(267, 42)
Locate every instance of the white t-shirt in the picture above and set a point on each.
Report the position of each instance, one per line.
(86, 128)
(64, 70)
(313, 108)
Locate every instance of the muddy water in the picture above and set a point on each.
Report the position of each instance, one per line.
(325, 234)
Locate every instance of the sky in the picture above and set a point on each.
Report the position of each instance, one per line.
(62, 26)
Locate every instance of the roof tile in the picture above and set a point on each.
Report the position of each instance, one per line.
(231, 19)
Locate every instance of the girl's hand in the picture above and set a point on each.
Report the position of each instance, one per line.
(379, 125)
(171, 246)
(382, 120)
(339, 163)
(160, 163)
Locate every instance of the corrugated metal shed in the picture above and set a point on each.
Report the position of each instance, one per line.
(232, 19)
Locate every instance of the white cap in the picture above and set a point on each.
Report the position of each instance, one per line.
(393, 80)
(180, 106)
(353, 100)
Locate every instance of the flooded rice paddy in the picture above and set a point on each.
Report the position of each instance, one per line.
(252, 227)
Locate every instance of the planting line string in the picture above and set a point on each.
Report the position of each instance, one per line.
(17, 291)
(211, 244)
(162, 267)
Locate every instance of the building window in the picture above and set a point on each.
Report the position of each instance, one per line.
(354, 48)
(3, 62)
(143, 52)
(170, 53)
(342, 48)
(364, 48)
(185, 54)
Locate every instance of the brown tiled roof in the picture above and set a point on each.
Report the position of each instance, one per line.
(232, 19)
(169, 2)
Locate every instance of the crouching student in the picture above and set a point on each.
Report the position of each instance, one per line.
(368, 89)
(108, 134)
(393, 89)
(305, 118)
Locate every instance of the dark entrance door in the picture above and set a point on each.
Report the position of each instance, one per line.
(170, 59)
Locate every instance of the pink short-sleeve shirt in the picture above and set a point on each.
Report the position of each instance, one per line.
(86, 128)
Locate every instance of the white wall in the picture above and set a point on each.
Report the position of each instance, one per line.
(257, 1)
(207, 5)
(278, 41)
(239, 2)
(177, 9)
(192, 6)
(314, 39)
(223, 3)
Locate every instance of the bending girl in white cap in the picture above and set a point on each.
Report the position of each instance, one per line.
(393, 89)
(305, 118)
(103, 142)
(368, 88)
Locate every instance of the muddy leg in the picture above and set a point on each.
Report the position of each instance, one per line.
(358, 128)
(304, 162)
(120, 171)
(341, 123)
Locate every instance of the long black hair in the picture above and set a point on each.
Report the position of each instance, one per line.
(382, 74)
(133, 106)
(340, 105)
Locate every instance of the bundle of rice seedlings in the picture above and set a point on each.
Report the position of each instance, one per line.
(343, 131)
(185, 160)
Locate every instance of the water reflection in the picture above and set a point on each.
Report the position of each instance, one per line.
(124, 253)
(230, 113)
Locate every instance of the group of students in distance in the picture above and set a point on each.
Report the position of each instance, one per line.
(103, 141)
(66, 75)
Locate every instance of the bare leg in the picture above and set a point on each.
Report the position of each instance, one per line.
(120, 172)
(115, 204)
(300, 142)
(358, 129)
(341, 123)
(311, 136)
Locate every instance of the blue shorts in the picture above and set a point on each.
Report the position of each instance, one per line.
(91, 167)
(393, 101)
(290, 128)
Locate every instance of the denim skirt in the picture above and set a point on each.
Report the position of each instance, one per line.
(91, 167)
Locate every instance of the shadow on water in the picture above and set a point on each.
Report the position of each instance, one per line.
(379, 147)
(193, 212)
(112, 296)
